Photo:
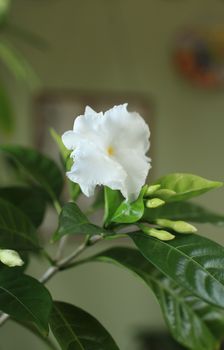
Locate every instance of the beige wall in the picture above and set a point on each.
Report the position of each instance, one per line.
(125, 46)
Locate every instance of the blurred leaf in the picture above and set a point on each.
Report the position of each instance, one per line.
(176, 187)
(130, 212)
(194, 262)
(74, 189)
(25, 299)
(76, 329)
(4, 8)
(186, 211)
(192, 322)
(37, 168)
(6, 115)
(17, 64)
(64, 152)
(26, 36)
(72, 221)
(29, 200)
(16, 231)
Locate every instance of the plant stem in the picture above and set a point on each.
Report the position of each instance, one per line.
(63, 262)
(57, 206)
(60, 265)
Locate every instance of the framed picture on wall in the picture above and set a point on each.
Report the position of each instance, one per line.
(57, 109)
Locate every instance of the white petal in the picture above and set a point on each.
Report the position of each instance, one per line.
(92, 167)
(128, 128)
(136, 165)
(109, 150)
(69, 139)
(89, 110)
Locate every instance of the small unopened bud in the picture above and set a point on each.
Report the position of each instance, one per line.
(160, 234)
(165, 193)
(152, 189)
(177, 226)
(10, 258)
(154, 203)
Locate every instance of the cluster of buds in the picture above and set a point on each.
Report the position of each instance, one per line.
(160, 225)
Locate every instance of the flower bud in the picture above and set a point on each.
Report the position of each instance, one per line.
(10, 258)
(154, 203)
(177, 226)
(165, 193)
(153, 232)
(152, 189)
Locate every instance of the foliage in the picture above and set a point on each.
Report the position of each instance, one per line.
(14, 61)
(184, 273)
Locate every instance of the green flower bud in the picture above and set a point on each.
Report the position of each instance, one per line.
(10, 258)
(152, 189)
(177, 226)
(165, 193)
(154, 203)
(153, 232)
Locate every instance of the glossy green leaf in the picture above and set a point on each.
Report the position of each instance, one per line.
(24, 298)
(192, 322)
(194, 262)
(75, 329)
(176, 187)
(29, 200)
(6, 113)
(37, 168)
(16, 230)
(127, 212)
(72, 221)
(186, 211)
(112, 200)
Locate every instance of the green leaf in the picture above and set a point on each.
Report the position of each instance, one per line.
(75, 329)
(6, 114)
(192, 322)
(17, 64)
(29, 200)
(194, 262)
(64, 152)
(186, 211)
(25, 299)
(37, 168)
(176, 187)
(127, 212)
(4, 9)
(112, 199)
(16, 231)
(72, 221)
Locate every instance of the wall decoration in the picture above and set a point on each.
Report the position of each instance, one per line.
(199, 55)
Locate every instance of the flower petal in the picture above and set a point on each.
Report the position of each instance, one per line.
(128, 128)
(92, 167)
(136, 165)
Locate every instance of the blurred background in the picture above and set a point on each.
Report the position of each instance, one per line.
(166, 59)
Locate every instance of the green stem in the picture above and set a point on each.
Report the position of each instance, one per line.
(57, 206)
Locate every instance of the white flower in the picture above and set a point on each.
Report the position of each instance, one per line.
(10, 258)
(109, 149)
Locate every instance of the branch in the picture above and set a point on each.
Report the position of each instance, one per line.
(60, 265)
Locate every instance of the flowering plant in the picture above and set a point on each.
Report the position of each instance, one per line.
(183, 269)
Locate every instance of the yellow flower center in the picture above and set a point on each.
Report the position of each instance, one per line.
(110, 151)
